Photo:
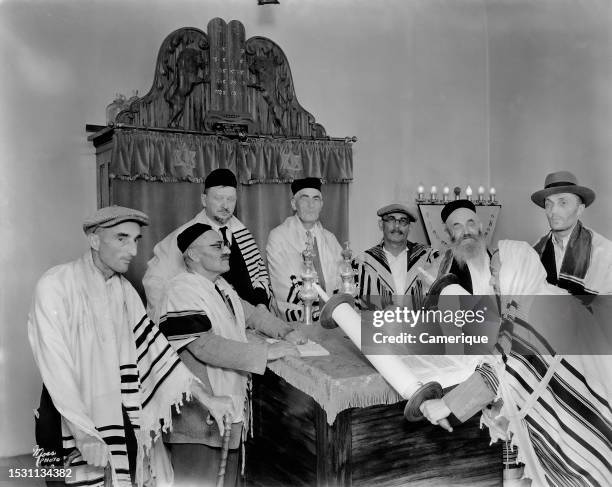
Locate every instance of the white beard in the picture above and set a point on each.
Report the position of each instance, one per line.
(471, 250)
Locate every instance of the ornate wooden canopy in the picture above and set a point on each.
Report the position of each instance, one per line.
(217, 81)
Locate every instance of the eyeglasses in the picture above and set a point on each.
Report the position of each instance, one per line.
(391, 219)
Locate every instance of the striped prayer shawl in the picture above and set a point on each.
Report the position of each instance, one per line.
(558, 407)
(376, 281)
(587, 264)
(140, 383)
(167, 262)
(103, 361)
(567, 418)
(253, 259)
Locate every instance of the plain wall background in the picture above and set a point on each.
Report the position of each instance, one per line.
(460, 92)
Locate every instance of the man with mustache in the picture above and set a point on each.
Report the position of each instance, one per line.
(287, 241)
(110, 378)
(247, 272)
(391, 268)
(205, 319)
(575, 257)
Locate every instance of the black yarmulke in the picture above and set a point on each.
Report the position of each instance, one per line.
(300, 184)
(220, 177)
(190, 234)
(455, 205)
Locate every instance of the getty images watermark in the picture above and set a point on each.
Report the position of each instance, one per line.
(474, 325)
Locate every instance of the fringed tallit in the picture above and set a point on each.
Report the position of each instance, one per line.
(96, 350)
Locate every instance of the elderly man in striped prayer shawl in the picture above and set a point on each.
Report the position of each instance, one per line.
(206, 322)
(248, 273)
(391, 268)
(110, 377)
(554, 407)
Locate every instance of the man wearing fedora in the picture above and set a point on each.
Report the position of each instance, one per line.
(575, 257)
(391, 267)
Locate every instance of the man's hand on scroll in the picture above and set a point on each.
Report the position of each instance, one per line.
(218, 406)
(281, 349)
(296, 337)
(436, 411)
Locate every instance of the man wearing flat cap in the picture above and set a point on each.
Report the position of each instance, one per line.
(206, 320)
(287, 242)
(247, 271)
(110, 378)
(575, 257)
(391, 268)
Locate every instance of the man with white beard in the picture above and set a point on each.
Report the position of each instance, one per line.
(467, 258)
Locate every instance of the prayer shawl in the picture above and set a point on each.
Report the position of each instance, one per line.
(284, 253)
(167, 262)
(557, 407)
(189, 295)
(586, 266)
(96, 349)
(375, 277)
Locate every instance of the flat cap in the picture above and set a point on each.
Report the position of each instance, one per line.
(190, 235)
(300, 184)
(455, 205)
(109, 216)
(396, 208)
(220, 177)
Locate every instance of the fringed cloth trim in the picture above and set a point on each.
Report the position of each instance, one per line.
(191, 179)
(150, 431)
(336, 395)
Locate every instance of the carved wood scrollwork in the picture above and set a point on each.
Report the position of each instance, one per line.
(273, 101)
(178, 96)
(220, 82)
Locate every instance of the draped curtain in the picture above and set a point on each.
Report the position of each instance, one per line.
(162, 173)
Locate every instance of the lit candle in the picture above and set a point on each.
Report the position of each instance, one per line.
(492, 195)
(481, 191)
(445, 193)
(468, 193)
(420, 192)
(457, 192)
(434, 193)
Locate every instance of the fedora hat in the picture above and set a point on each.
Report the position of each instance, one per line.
(562, 182)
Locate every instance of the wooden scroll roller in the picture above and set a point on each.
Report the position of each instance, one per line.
(227, 433)
(339, 309)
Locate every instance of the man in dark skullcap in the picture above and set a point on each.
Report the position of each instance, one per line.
(287, 241)
(206, 320)
(247, 271)
(109, 377)
(467, 258)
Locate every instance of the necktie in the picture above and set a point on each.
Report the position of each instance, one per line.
(317, 260)
(226, 299)
(223, 231)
